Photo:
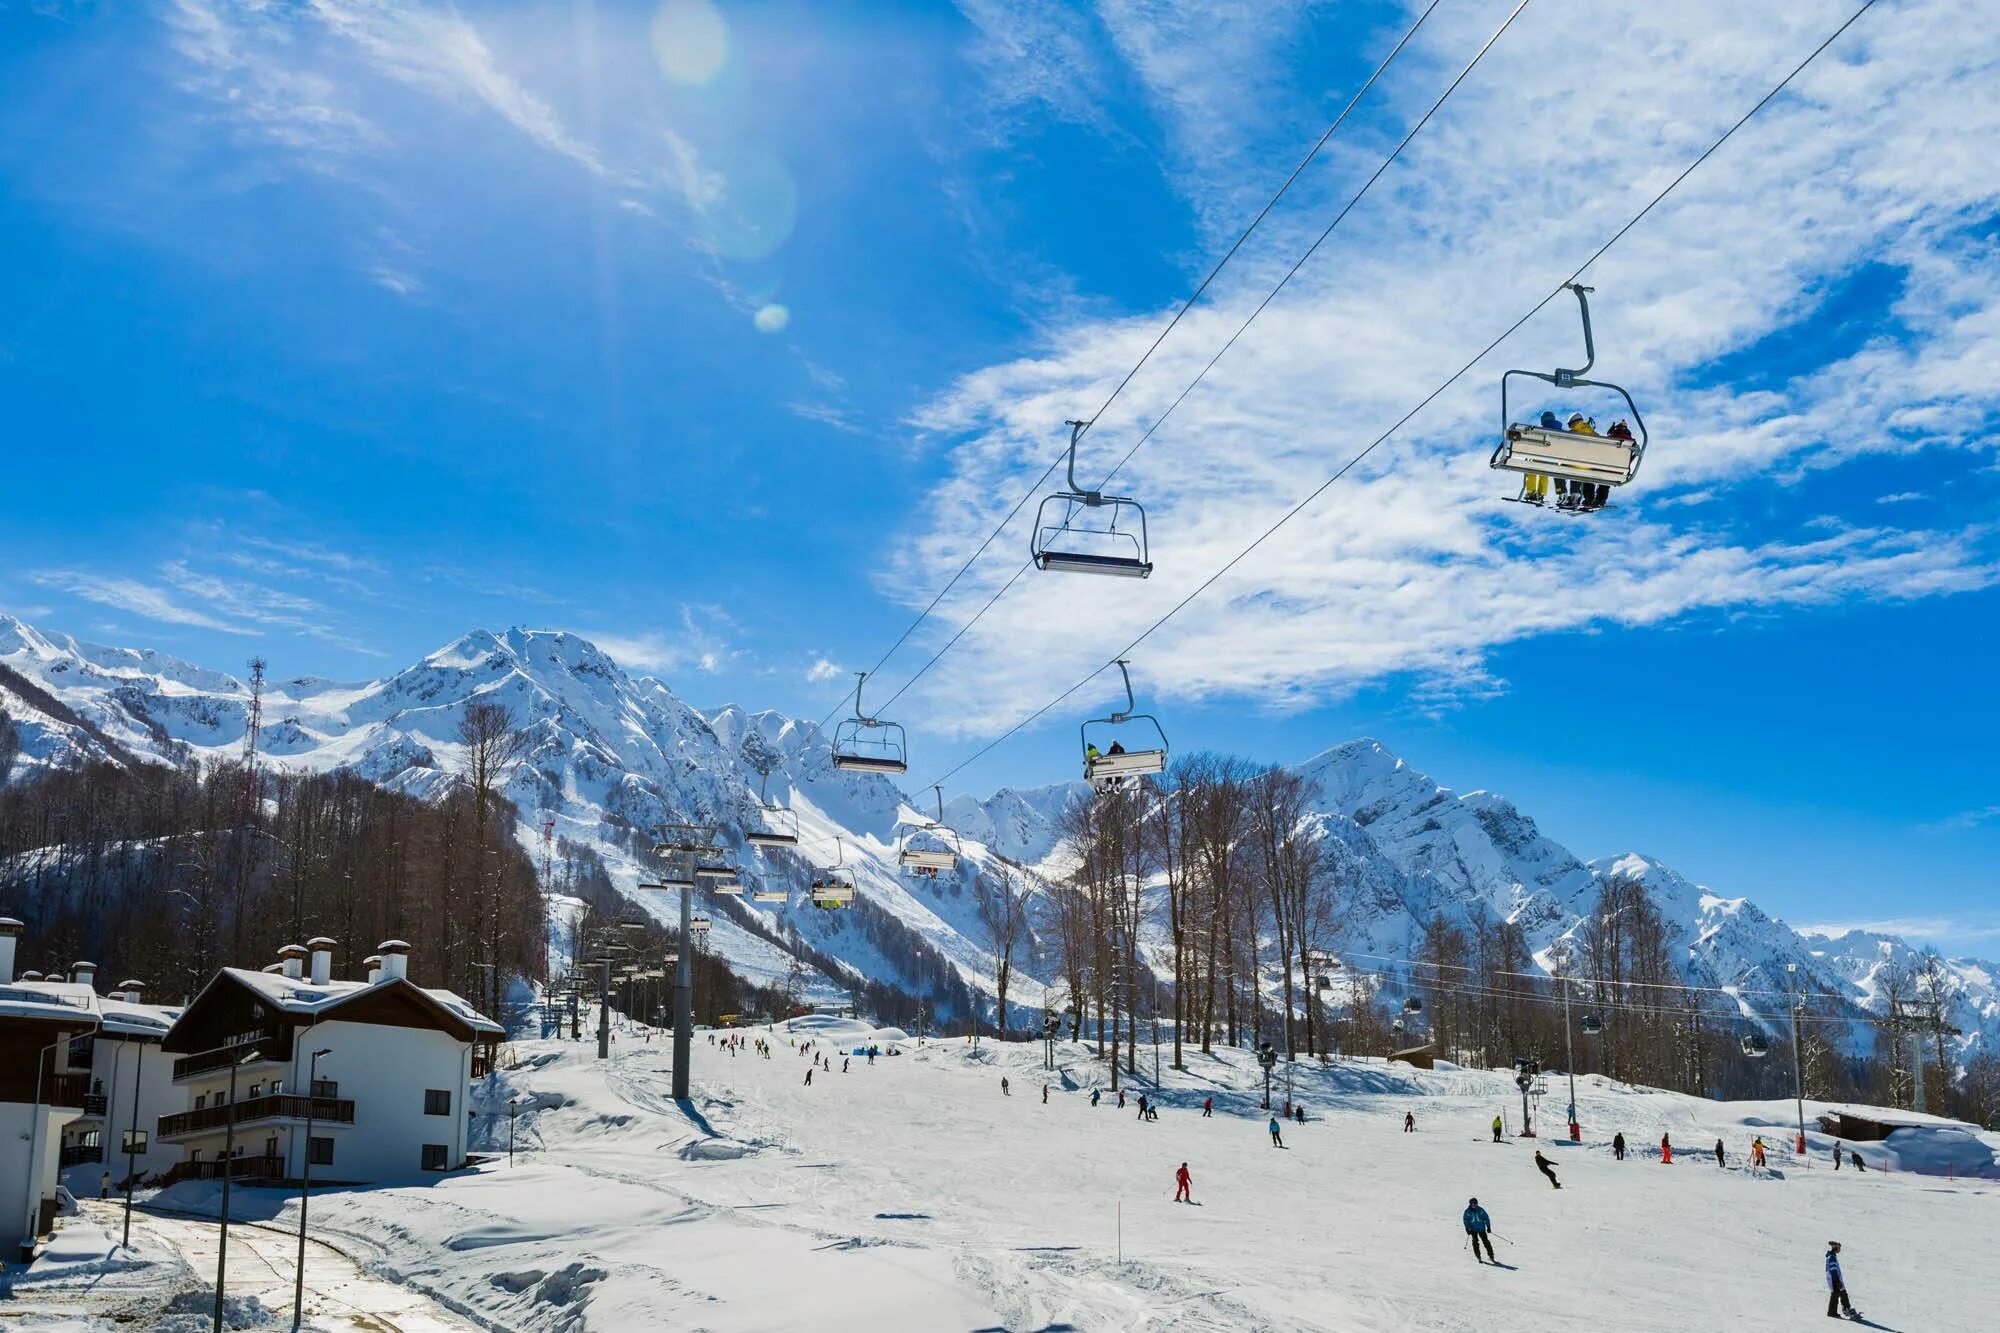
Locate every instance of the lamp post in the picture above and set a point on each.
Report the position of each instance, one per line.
(305, 1190)
(513, 1109)
(1267, 1056)
(132, 1142)
(1569, 1062)
(1798, 1069)
(228, 1149)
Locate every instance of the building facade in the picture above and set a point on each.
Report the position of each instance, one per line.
(131, 1087)
(40, 1091)
(369, 1079)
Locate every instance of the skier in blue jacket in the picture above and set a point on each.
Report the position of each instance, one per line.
(1836, 1290)
(1480, 1227)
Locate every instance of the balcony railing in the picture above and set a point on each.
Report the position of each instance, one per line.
(221, 1057)
(240, 1168)
(272, 1106)
(65, 1089)
(76, 1154)
(94, 1103)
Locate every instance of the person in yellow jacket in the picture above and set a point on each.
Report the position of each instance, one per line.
(1497, 1128)
(1579, 424)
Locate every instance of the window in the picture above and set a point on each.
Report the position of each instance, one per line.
(437, 1101)
(271, 1146)
(320, 1151)
(436, 1157)
(256, 1090)
(326, 1087)
(200, 1100)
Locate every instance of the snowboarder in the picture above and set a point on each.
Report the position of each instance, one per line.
(1277, 1141)
(1182, 1182)
(1005, 1091)
(1095, 1093)
(1836, 1154)
(1718, 1154)
(1618, 1146)
(1497, 1127)
(1546, 1167)
(1207, 1108)
(1480, 1227)
(1836, 1289)
(1409, 1122)
(1666, 1151)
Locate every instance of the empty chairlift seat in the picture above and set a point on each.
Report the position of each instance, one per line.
(1080, 531)
(865, 744)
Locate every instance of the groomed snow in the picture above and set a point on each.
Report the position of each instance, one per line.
(913, 1195)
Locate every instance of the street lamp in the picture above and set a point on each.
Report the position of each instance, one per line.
(1267, 1056)
(1569, 1061)
(513, 1109)
(1798, 1070)
(305, 1191)
(228, 1149)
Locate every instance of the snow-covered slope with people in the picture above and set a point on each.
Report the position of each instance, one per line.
(611, 755)
(913, 1193)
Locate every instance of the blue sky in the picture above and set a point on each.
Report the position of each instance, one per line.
(723, 334)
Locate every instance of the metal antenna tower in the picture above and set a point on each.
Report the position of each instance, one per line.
(253, 729)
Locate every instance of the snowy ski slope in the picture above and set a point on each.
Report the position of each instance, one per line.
(914, 1195)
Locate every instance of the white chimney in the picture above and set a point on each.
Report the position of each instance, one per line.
(130, 990)
(395, 960)
(83, 973)
(373, 962)
(10, 935)
(291, 961)
(322, 959)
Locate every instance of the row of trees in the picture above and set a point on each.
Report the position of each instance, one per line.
(1212, 901)
(167, 873)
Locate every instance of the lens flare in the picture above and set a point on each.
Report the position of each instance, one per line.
(690, 40)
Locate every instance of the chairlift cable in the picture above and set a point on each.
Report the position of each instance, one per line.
(1187, 305)
(1146, 435)
(1428, 398)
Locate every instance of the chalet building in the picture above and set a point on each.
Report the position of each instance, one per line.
(131, 1087)
(40, 1091)
(382, 1068)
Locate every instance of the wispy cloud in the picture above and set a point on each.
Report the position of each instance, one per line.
(704, 642)
(826, 414)
(1900, 497)
(1965, 819)
(141, 599)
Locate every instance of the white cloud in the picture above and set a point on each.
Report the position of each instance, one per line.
(771, 318)
(1411, 564)
(1900, 497)
(704, 642)
(822, 670)
(140, 599)
(1965, 819)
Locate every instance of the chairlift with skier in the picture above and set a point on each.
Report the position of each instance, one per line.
(1584, 463)
(930, 847)
(1108, 767)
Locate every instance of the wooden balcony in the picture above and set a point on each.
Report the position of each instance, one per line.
(272, 1106)
(65, 1089)
(204, 1062)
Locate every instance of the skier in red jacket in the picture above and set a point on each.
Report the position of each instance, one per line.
(1182, 1182)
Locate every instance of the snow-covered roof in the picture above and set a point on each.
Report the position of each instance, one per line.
(57, 1001)
(300, 995)
(137, 1019)
(1900, 1119)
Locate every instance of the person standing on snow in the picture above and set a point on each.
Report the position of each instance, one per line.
(1142, 1106)
(1182, 1183)
(1836, 1288)
(1757, 1151)
(1666, 1151)
(809, 1076)
(1718, 1154)
(1497, 1127)
(1005, 1091)
(1836, 1154)
(843, 1064)
(1618, 1145)
(1121, 1099)
(1545, 1166)
(1207, 1108)
(1095, 1093)
(1277, 1141)
(1409, 1122)
(1480, 1227)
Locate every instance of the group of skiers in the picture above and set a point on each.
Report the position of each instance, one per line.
(1583, 495)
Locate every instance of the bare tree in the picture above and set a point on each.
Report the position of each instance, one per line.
(1003, 911)
(492, 745)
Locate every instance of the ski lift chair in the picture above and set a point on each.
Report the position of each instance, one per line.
(1592, 1025)
(770, 896)
(699, 925)
(1413, 1005)
(1755, 1046)
(1078, 531)
(834, 891)
(781, 826)
(940, 847)
(864, 744)
(1589, 461)
(731, 886)
(714, 870)
(1116, 763)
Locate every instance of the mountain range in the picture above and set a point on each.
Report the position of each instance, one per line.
(609, 755)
